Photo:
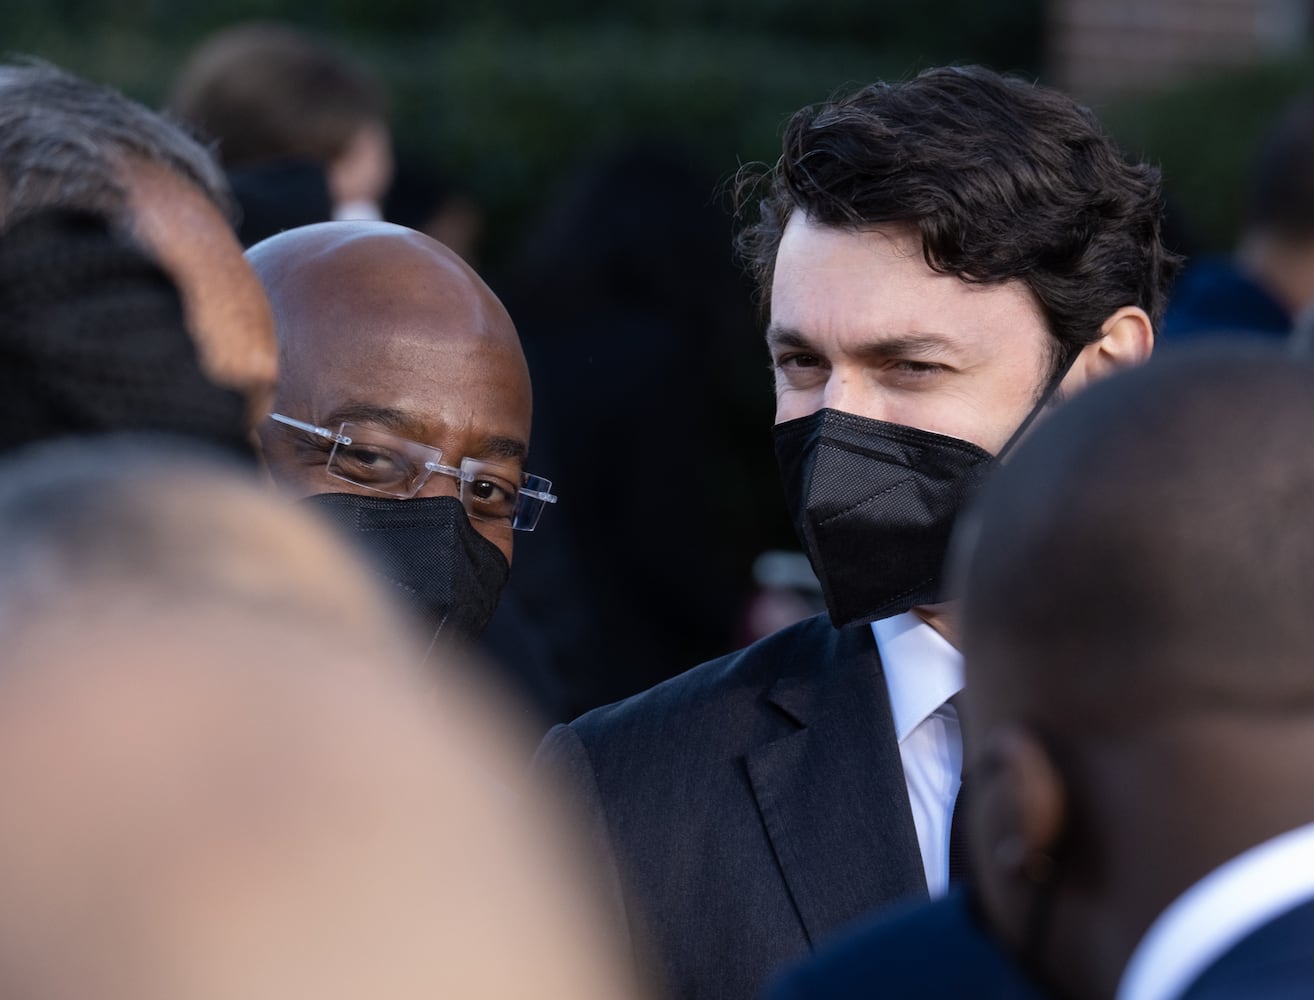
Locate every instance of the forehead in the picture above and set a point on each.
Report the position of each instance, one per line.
(853, 285)
(401, 333)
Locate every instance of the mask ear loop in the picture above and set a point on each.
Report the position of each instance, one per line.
(1055, 381)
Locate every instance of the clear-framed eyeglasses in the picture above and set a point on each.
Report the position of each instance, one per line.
(378, 460)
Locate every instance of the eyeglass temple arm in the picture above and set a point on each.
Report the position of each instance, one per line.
(301, 425)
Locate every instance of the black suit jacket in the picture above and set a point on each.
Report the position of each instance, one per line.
(748, 807)
(1274, 962)
(932, 951)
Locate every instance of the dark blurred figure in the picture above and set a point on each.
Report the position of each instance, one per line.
(1144, 818)
(93, 339)
(68, 143)
(422, 197)
(235, 783)
(300, 126)
(651, 399)
(1267, 285)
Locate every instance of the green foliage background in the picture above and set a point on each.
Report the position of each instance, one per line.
(508, 95)
(1204, 136)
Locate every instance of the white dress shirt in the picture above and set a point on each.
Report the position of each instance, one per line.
(922, 672)
(1217, 912)
(367, 211)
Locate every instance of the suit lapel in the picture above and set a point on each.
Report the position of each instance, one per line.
(832, 793)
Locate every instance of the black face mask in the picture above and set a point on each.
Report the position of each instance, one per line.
(444, 570)
(874, 504)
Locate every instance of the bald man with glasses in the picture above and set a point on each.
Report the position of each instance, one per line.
(402, 411)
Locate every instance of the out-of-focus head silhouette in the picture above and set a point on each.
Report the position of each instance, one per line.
(1280, 189)
(1277, 242)
(94, 340)
(268, 92)
(68, 143)
(1265, 288)
(235, 782)
(422, 197)
(640, 335)
(625, 231)
(1137, 633)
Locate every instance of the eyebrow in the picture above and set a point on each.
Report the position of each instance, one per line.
(367, 413)
(901, 345)
(512, 449)
(397, 421)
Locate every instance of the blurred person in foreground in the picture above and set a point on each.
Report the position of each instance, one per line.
(1144, 821)
(1265, 288)
(941, 259)
(1137, 635)
(402, 412)
(94, 340)
(300, 126)
(68, 143)
(234, 781)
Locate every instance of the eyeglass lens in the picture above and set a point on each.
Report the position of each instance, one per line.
(386, 463)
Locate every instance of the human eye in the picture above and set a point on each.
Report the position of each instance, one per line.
(491, 495)
(797, 369)
(909, 367)
(914, 374)
(371, 465)
(796, 359)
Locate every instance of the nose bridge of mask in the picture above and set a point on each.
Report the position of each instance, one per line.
(832, 490)
(873, 504)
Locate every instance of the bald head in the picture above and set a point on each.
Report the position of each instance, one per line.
(1136, 639)
(1151, 540)
(385, 327)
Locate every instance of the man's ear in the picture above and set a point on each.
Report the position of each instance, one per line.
(1018, 810)
(1127, 341)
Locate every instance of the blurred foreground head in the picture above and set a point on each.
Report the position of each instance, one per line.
(94, 340)
(1137, 636)
(233, 783)
(68, 143)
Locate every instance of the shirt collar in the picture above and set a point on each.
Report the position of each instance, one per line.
(922, 671)
(1217, 912)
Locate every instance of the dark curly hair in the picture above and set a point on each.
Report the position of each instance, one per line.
(1002, 178)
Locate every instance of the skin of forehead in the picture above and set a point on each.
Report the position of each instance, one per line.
(357, 303)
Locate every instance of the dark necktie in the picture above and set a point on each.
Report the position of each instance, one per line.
(958, 838)
(958, 863)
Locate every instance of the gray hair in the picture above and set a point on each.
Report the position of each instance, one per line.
(65, 141)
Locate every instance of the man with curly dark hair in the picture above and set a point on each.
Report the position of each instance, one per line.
(940, 260)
